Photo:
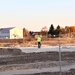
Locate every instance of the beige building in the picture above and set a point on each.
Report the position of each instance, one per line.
(16, 33)
(11, 33)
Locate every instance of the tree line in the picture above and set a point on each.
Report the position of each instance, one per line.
(52, 32)
(59, 30)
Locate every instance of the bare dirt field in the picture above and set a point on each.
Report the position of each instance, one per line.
(14, 59)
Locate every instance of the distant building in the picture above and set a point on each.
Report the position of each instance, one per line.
(11, 33)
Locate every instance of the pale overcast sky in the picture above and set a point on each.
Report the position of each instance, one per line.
(35, 14)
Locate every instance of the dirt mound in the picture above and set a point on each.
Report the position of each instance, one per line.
(6, 51)
(35, 61)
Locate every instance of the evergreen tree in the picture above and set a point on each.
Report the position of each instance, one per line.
(57, 31)
(51, 30)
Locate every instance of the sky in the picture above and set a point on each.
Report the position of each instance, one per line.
(35, 14)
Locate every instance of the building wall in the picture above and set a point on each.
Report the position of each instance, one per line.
(16, 33)
(4, 34)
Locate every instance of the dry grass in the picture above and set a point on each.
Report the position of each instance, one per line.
(47, 41)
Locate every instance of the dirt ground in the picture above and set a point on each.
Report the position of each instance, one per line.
(23, 61)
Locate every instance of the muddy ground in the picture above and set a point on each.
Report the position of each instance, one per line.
(17, 60)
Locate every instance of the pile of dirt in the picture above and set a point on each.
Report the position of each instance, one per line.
(7, 51)
(44, 59)
(22, 58)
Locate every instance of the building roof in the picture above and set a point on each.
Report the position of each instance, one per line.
(1, 29)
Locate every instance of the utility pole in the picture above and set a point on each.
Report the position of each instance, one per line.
(70, 32)
(24, 35)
